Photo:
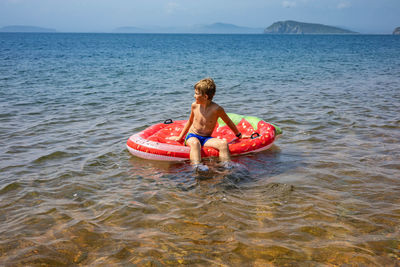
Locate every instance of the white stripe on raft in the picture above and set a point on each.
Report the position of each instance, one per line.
(136, 138)
(145, 155)
(151, 156)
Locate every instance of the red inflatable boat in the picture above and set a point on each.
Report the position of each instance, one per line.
(152, 143)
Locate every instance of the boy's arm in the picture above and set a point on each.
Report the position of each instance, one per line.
(229, 122)
(185, 128)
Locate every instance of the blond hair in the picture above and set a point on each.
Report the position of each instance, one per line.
(206, 87)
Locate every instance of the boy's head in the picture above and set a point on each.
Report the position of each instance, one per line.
(206, 87)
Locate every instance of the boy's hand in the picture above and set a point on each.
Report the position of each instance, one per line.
(174, 138)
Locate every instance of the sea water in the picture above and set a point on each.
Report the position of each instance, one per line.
(327, 192)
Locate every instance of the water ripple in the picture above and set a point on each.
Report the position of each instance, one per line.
(325, 194)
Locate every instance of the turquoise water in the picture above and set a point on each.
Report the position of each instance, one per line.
(326, 193)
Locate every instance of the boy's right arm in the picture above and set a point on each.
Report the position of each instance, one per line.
(185, 129)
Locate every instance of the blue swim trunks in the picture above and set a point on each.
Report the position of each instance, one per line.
(202, 139)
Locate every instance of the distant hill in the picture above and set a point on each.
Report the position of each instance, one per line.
(396, 31)
(216, 28)
(21, 28)
(295, 27)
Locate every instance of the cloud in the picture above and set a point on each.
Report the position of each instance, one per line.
(288, 4)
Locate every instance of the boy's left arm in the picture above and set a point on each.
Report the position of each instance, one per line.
(229, 122)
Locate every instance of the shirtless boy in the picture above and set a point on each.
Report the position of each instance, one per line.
(202, 121)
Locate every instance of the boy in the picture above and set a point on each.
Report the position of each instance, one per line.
(201, 124)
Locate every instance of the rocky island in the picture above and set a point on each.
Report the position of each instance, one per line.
(295, 27)
(396, 31)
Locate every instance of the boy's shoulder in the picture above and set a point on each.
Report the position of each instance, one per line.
(217, 107)
(214, 107)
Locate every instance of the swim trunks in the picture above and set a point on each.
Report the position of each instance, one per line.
(202, 139)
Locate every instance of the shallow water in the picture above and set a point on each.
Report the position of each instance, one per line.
(327, 192)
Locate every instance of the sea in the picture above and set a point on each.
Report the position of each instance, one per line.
(327, 193)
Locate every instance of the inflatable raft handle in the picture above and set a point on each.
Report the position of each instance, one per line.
(255, 135)
(169, 121)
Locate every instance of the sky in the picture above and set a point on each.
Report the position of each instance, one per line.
(364, 16)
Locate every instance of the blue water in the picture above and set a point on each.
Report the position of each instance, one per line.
(326, 193)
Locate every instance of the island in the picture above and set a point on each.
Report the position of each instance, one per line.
(396, 31)
(21, 28)
(295, 27)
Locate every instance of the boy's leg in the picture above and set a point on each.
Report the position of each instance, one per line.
(222, 146)
(195, 150)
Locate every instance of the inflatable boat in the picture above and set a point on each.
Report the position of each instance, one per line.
(153, 143)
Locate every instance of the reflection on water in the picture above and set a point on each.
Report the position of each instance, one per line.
(326, 194)
(154, 213)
